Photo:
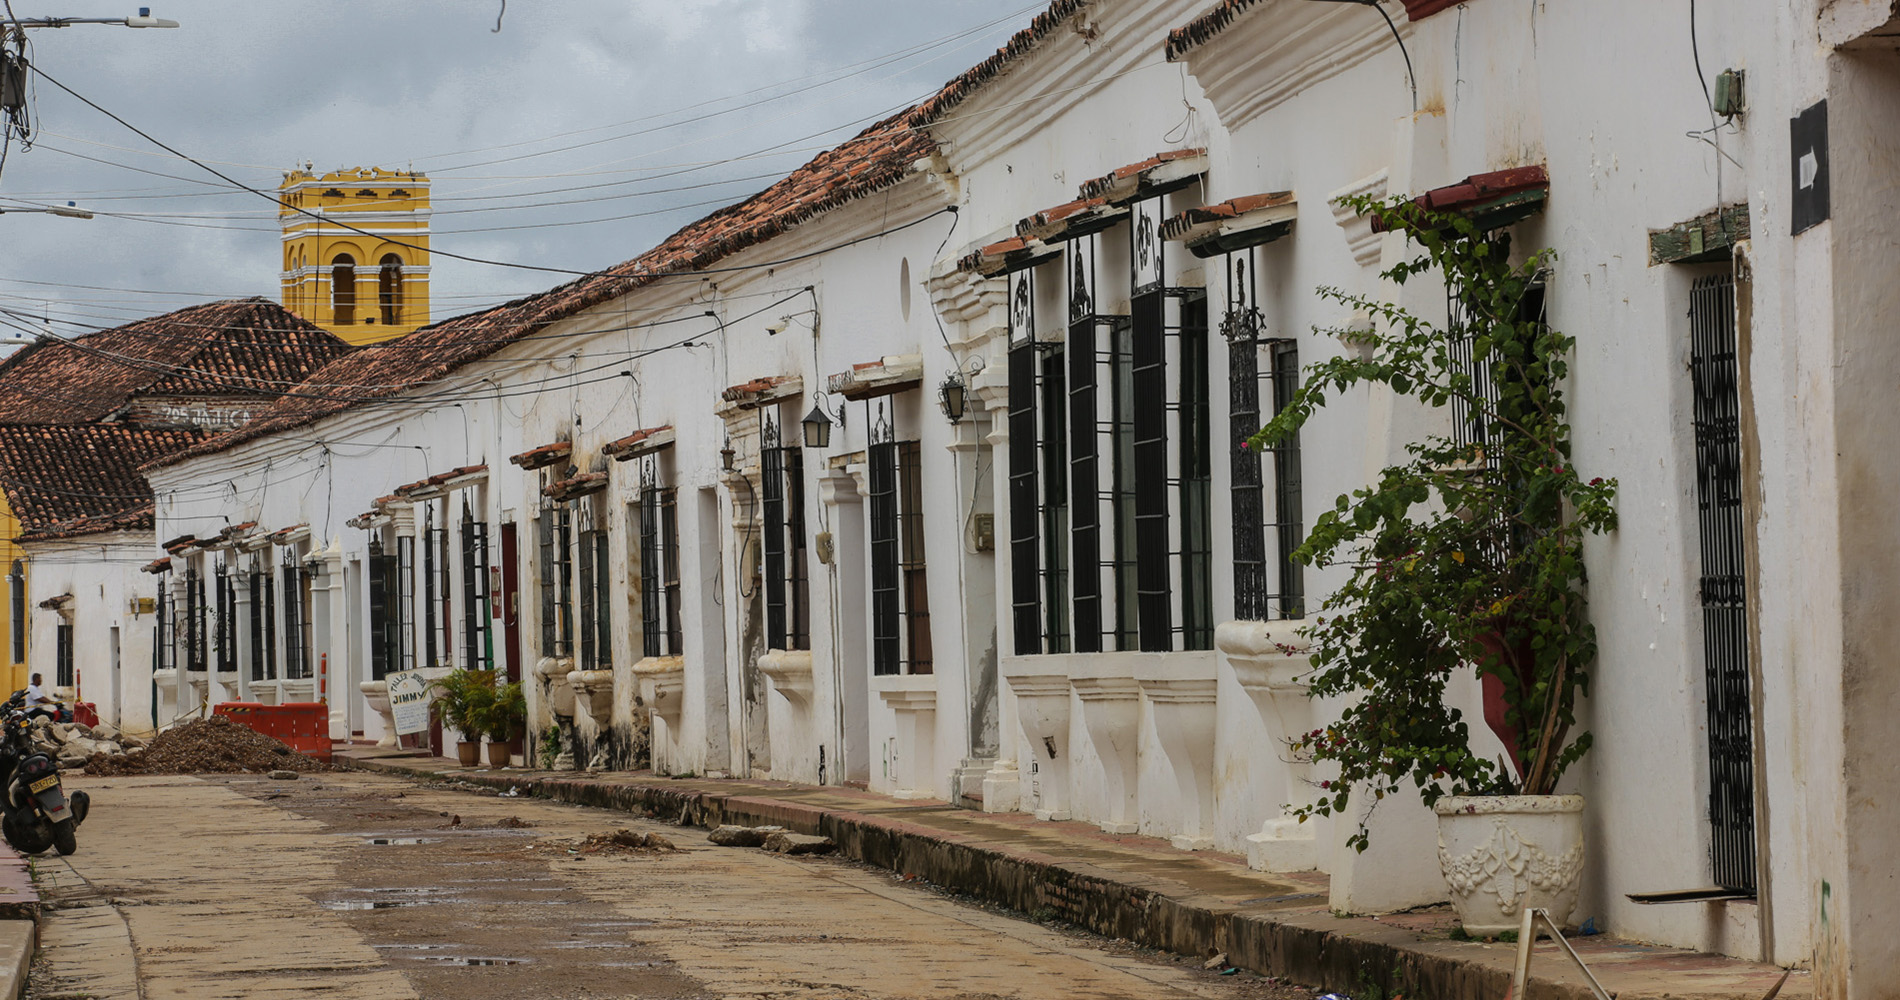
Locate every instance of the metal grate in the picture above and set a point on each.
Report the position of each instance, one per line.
(296, 619)
(1268, 583)
(197, 639)
(224, 591)
(1085, 529)
(475, 624)
(900, 600)
(661, 630)
(1024, 521)
(438, 643)
(16, 590)
(403, 641)
(263, 625)
(782, 499)
(63, 674)
(381, 569)
(1195, 486)
(557, 581)
(1723, 585)
(1149, 374)
(1051, 390)
(589, 583)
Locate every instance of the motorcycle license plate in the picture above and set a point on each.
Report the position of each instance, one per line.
(44, 783)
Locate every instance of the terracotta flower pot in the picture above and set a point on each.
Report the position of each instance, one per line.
(497, 755)
(470, 753)
(1502, 854)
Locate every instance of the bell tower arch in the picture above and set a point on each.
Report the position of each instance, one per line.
(363, 288)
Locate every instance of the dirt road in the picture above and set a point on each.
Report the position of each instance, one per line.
(352, 885)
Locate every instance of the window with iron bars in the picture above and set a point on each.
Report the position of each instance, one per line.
(1715, 374)
(164, 632)
(385, 611)
(64, 674)
(596, 613)
(1268, 582)
(476, 642)
(1038, 491)
(404, 613)
(197, 636)
(1473, 430)
(900, 598)
(263, 625)
(438, 629)
(1100, 402)
(557, 580)
(224, 590)
(782, 499)
(16, 593)
(297, 658)
(662, 632)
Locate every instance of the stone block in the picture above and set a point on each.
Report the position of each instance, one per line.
(783, 842)
(742, 836)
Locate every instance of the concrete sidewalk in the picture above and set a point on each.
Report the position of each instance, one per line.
(1136, 888)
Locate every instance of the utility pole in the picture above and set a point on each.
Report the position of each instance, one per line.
(16, 119)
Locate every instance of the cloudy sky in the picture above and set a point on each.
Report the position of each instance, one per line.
(579, 135)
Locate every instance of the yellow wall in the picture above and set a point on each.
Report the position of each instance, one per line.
(13, 671)
(392, 204)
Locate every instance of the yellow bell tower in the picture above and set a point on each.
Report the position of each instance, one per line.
(362, 288)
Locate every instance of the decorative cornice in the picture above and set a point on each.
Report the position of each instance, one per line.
(1361, 239)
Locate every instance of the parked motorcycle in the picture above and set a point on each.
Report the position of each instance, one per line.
(35, 813)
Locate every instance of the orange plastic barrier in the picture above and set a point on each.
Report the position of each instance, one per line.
(86, 712)
(303, 725)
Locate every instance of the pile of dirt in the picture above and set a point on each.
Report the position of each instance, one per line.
(207, 746)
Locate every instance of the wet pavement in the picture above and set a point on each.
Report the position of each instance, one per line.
(362, 885)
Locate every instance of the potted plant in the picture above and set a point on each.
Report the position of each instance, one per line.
(462, 700)
(1468, 552)
(506, 716)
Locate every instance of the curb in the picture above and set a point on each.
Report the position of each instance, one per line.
(1307, 946)
(19, 922)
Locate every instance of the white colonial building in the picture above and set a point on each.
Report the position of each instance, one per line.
(920, 469)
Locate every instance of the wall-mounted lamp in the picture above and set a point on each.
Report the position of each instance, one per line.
(817, 423)
(952, 395)
(726, 456)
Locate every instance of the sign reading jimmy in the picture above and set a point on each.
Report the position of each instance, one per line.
(409, 701)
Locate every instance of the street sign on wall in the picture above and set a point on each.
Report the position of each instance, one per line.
(409, 701)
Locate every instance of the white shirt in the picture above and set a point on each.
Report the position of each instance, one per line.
(35, 694)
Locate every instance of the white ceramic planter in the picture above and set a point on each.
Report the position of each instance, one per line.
(1504, 853)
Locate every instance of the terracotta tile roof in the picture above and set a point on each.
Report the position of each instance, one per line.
(63, 481)
(650, 439)
(877, 158)
(242, 347)
(577, 486)
(426, 485)
(1070, 220)
(1480, 192)
(1158, 174)
(544, 456)
(1005, 255)
(1233, 208)
(158, 566)
(57, 602)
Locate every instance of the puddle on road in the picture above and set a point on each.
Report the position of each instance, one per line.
(373, 904)
(616, 923)
(657, 963)
(468, 960)
(399, 841)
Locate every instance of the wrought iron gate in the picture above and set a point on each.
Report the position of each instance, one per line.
(1723, 585)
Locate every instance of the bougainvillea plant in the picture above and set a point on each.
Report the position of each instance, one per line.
(1470, 552)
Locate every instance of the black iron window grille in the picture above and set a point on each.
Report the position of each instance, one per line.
(263, 625)
(16, 596)
(557, 581)
(900, 597)
(1268, 582)
(476, 644)
(1039, 526)
(596, 615)
(438, 630)
(164, 632)
(1194, 451)
(197, 635)
(224, 592)
(64, 675)
(384, 611)
(662, 632)
(297, 665)
(1472, 431)
(402, 614)
(1715, 372)
(1148, 374)
(782, 497)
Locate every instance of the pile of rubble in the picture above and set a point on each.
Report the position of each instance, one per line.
(73, 744)
(206, 746)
